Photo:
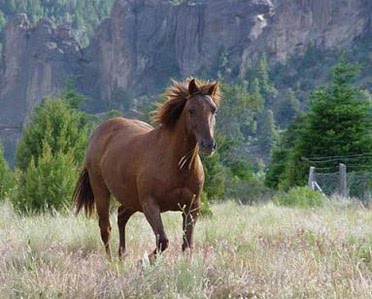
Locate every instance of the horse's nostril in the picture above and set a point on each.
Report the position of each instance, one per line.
(208, 145)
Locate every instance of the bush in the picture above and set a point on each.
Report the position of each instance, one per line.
(6, 177)
(55, 122)
(49, 154)
(300, 197)
(249, 191)
(47, 185)
(205, 209)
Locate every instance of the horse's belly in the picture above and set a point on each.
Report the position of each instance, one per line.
(125, 192)
(177, 199)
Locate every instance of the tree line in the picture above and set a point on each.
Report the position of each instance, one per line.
(84, 15)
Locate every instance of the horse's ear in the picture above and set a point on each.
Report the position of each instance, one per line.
(213, 89)
(193, 88)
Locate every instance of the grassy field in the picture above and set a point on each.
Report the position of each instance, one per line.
(241, 252)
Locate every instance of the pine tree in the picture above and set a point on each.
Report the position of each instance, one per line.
(338, 124)
(267, 133)
(49, 155)
(282, 151)
(6, 177)
(288, 109)
(267, 88)
(63, 128)
(47, 185)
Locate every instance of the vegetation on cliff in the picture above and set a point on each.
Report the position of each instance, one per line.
(84, 15)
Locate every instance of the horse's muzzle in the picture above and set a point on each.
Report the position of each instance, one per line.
(207, 147)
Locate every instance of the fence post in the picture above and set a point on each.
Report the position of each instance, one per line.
(310, 182)
(343, 181)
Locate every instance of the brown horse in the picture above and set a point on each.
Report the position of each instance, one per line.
(151, 170)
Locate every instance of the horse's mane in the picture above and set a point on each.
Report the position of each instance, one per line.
(176, 96)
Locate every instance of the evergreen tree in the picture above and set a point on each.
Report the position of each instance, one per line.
(49, 155)
(282, 153)
(47, 185)
(267, 88)
(288, 109)
(6, 177)
(224, 70)
(338, 124)
(55, 123)
(267, 133)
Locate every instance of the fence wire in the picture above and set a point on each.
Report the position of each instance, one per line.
(328, 182)
(359, 184)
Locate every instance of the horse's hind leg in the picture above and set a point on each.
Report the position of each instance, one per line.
(123, 217)
(152, 213)
(102, 200)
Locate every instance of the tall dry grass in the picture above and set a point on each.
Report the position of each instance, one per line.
(241, 252)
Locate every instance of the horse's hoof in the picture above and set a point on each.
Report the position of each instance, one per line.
(122, 255)
(152, 258)
(143, 262)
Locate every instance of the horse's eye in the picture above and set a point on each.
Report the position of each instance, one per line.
(192, 112)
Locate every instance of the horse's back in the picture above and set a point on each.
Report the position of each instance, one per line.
(115, 134)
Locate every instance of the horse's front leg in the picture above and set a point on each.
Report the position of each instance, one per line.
(123, 216)
(152, 212)
(189, 219)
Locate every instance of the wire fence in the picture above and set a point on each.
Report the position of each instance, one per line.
(328, 182)
(348, 176)
(358, 184)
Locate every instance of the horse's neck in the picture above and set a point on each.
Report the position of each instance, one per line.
(182, 146)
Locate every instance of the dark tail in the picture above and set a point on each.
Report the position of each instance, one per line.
(83, 195)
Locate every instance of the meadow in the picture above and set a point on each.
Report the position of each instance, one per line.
(261, 251)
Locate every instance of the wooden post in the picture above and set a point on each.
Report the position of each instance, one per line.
(343, 181)
(310, 181)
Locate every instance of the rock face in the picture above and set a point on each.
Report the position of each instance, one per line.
(36, 63)
(144, 42)
(327, 24)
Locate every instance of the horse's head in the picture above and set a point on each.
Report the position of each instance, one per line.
(200, 110)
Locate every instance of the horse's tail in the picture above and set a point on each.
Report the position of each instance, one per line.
(83, 194)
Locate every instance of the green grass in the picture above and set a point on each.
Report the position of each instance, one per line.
(254, 252)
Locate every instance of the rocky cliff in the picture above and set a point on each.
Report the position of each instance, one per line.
(144, 42)
(326, 24)
(36, 62)
(147, 41)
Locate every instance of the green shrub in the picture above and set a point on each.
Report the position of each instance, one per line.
(248, 191)
(299, 197)
(6, 177)
(55, 122)
(47, 185)
(49, 154)
(205, 209)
